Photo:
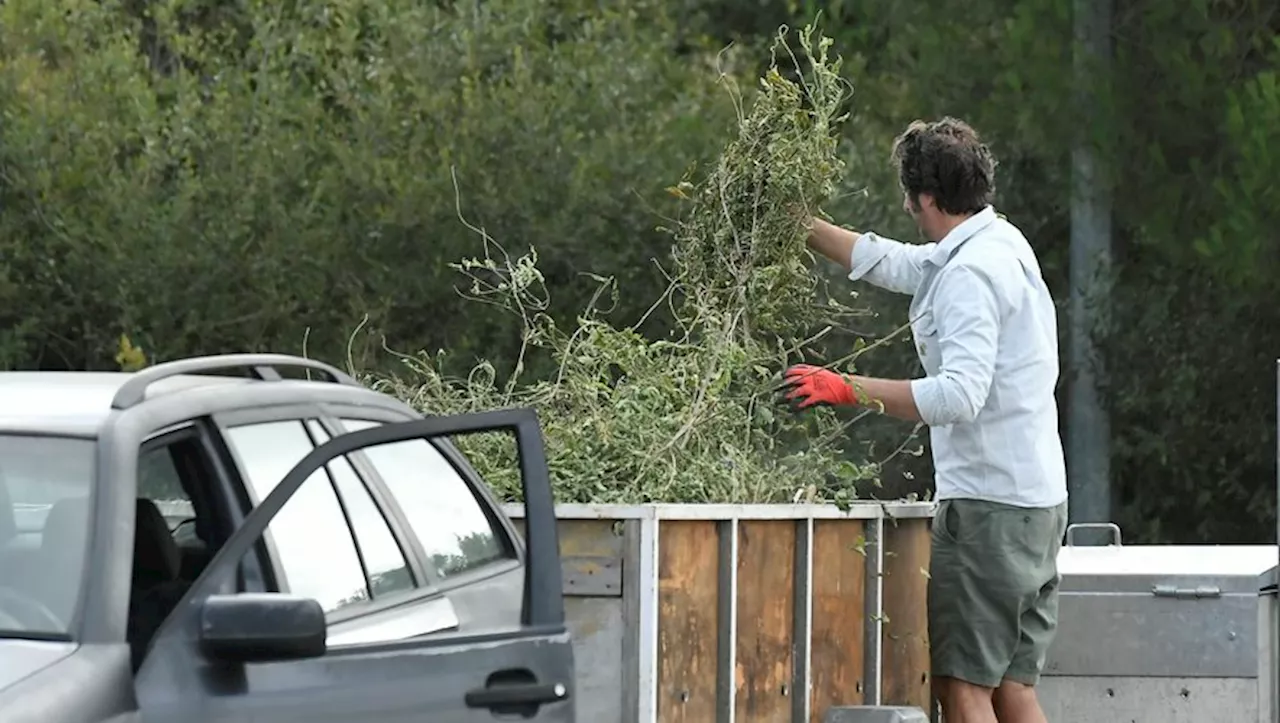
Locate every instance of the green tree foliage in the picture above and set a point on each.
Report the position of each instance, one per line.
(1197, 327)
(211, 177)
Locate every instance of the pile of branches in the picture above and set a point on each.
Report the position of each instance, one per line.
(693, 417)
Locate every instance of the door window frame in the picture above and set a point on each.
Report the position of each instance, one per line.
(425, 588)
(510, 539)
(541, 608)
(419, 563)
(237, 471)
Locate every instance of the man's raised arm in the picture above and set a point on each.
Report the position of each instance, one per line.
(833, 242)
(884, 262)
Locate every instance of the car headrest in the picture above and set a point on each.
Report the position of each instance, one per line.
(66, 527)
(156, 557)
(63, 545)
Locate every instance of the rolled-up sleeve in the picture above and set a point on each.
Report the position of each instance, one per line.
(889, 264)
(966, 310)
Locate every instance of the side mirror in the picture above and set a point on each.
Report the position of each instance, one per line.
(261, 627)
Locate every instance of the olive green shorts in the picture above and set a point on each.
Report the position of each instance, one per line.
(993, 590)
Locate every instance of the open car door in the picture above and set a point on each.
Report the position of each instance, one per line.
(225, 655)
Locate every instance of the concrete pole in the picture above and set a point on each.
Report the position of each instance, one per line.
(1088, 422)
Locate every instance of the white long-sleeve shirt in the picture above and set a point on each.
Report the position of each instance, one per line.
(985, 328)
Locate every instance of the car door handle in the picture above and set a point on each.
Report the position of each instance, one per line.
(516, 694)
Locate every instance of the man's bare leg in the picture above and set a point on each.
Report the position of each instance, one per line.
(964, 702)
(1017, 703)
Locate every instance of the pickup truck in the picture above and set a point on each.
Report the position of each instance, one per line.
(328, 554)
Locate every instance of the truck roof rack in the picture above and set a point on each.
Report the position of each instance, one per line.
(264, 367)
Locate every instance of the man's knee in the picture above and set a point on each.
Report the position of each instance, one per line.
(1015, 702)
(957, 693)
(1011, 693)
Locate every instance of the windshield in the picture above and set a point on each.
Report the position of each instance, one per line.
(44, 528)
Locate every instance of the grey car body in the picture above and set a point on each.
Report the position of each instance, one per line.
(106, 616)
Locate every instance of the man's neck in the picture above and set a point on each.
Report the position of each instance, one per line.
(950, 222)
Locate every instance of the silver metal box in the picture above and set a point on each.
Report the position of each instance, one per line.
(1163, 634)
(875, 714)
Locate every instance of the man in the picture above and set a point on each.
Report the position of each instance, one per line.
(986, 333)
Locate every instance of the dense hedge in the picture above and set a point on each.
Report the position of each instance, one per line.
(268, 173)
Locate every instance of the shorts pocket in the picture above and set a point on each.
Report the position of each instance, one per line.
(967, 523)
(946, 523)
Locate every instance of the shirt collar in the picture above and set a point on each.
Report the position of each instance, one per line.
(958, 235)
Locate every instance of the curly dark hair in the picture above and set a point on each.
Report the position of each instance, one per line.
(947, 160)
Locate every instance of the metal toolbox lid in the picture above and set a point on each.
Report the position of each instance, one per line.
(1267, 581)
(1139, 568)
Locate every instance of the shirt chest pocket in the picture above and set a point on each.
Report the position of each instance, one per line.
(924, 329)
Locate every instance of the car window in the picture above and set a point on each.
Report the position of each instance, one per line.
(158, 477)
(45, 504)
(446, 516)
(383, 559)
(160, 481)
(309, 537)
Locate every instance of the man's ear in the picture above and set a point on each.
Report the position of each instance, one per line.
(924, 202)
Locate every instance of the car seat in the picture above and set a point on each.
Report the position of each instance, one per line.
(156, 588)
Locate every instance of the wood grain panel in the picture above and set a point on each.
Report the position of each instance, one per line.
(766, 606)
(590, 538)
(906, 641)
(839, 628)
(687, 628)
(591, 556)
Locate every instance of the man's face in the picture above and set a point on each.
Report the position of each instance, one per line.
(923, 212)
(910, 207)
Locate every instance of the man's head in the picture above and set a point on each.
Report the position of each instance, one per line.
(946, 174)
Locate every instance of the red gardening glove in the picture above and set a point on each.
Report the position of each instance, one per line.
(812, 386)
